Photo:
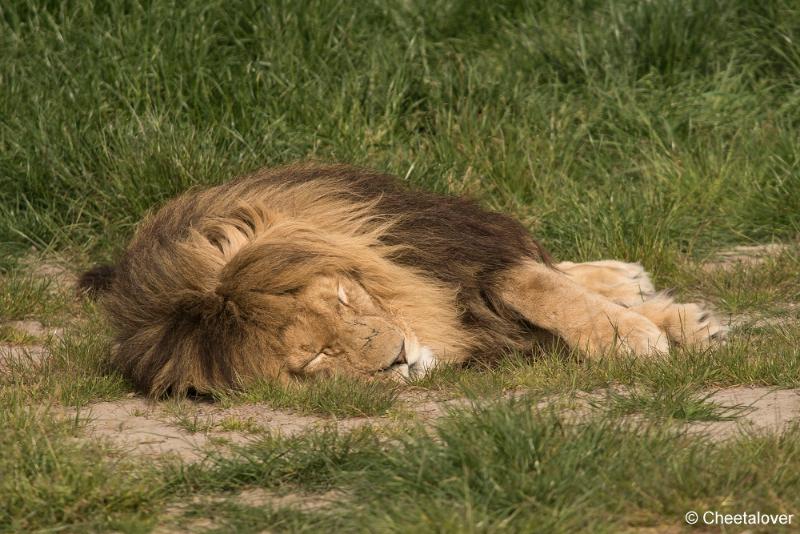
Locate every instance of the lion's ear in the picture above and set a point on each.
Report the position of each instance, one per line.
(342, 294)
(354, 295)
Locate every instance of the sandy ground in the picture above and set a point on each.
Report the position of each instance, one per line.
(177, 523)
(148, 428)
(189, 430)
(145, 428)
(745, 254)
(764, 409)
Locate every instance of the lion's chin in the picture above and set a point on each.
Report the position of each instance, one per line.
(423, 364)
(419, 362)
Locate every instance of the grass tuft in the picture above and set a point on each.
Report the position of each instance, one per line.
(23, 296)
(49, 480)
(71, 370)
(337, 396)
(684, 404)
(511, 466)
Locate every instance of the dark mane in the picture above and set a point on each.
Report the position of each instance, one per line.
(453, 238)
(189, 314)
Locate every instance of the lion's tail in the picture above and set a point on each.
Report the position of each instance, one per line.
(96, 280)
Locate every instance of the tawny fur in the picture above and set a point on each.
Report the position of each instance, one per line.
(624, 283)
(250, 280)
(629, 284)
(584, 319)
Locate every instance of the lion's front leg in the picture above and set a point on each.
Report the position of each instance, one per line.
(628, 284)
(585, 320)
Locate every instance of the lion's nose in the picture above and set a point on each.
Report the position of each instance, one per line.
(401, 356)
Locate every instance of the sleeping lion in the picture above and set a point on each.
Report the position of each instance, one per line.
(312, 270)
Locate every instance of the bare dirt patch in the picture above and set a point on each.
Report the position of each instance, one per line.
(752, 320)
(190, 429)
(783, 314)
(147, 428)
(17, 356)
(54, 269)
(14, 354)
(150, 428)
(300, 501)
(765, 409)
(154, 429)
(176, 522)
(34, 328)
(141, 427)
(744, 255)
(426, 407)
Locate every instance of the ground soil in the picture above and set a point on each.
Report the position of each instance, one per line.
(147, 428)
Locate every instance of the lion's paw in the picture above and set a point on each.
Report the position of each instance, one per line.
(688, 325)
(624, 283)
(627, 332)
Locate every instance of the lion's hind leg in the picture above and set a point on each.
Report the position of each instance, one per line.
(624, 283)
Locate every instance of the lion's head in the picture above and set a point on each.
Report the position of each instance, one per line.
(336, 327)
(203, 300)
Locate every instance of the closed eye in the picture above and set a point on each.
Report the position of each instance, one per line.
(317, 359)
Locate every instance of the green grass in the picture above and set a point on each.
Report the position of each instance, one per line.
(71, 371)
(238, 424)
(9, 334)
(231, 516)
(50, 480)
(506, 466)
(685, 404)
(511, 467)
(612, 128)
(337, 396)
(23, 296)
(765, 289)
(183, 417)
